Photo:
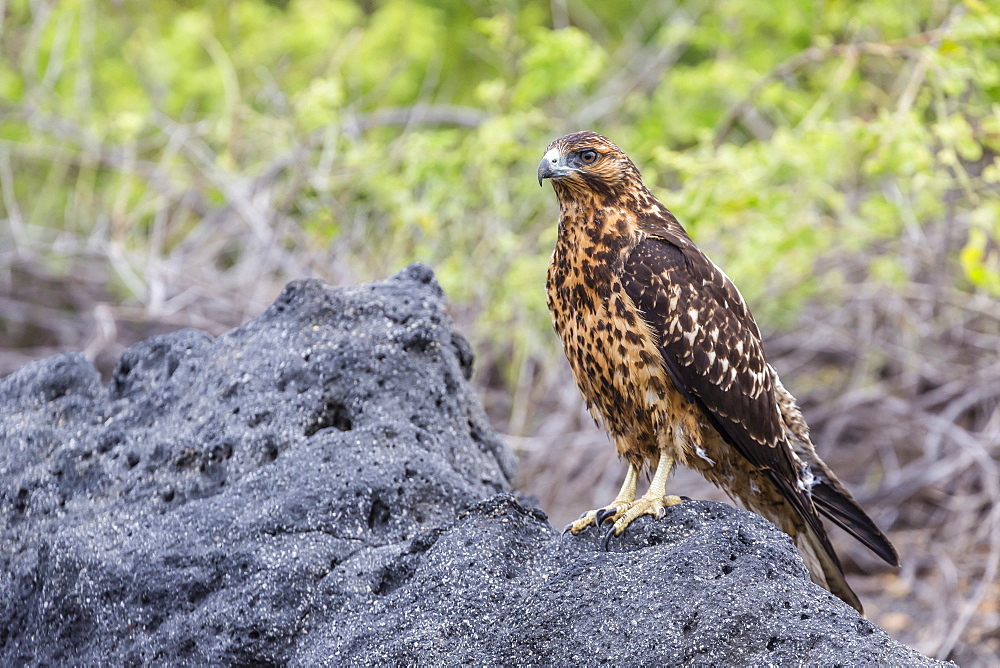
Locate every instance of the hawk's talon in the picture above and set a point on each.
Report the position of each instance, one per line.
(599, 517)
(604, 514)
(582, 523)
(645, 505)
(608, 536)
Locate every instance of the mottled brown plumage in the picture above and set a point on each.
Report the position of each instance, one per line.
(669, 360)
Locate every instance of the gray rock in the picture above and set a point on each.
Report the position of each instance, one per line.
(321, 486)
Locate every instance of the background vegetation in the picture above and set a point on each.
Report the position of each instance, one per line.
(171, 163)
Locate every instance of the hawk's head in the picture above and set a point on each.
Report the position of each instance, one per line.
(585, 162)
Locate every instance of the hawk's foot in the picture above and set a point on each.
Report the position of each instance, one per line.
(599, 516)
(644, 505)
(612, 511)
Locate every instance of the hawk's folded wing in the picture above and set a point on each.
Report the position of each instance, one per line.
(712, 351)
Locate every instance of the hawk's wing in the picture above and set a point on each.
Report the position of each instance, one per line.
(710, 346)
(712, 351)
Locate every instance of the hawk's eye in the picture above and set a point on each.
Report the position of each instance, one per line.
(588, 156)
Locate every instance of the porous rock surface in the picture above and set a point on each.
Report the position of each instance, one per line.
(321, 487)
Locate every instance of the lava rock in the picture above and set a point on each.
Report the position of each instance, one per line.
(321, 487)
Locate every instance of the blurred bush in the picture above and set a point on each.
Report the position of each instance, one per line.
(177, 161)
(373, 134)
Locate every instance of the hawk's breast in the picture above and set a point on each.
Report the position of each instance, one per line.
(614, 357)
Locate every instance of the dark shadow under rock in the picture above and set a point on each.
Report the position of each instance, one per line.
(321, 486)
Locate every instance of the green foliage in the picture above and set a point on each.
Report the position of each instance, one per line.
(787, 136)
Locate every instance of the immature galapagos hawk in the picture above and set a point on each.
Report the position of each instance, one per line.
(669, 360)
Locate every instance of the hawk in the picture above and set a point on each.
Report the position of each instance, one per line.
(669, 360)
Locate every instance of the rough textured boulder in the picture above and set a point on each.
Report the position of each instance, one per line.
(321, 486)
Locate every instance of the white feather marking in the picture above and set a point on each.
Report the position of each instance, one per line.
(690, 337)
(806, 479)
(704, 455)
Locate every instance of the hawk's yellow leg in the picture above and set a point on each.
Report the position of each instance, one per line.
(626, 497)
(653, 502)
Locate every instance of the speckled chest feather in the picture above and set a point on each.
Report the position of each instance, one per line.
(612, 351)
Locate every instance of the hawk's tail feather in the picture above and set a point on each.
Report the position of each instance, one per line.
(824, 568)
(809, 536)
(840, 507)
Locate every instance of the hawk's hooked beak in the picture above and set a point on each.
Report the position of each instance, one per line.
(552, 166)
